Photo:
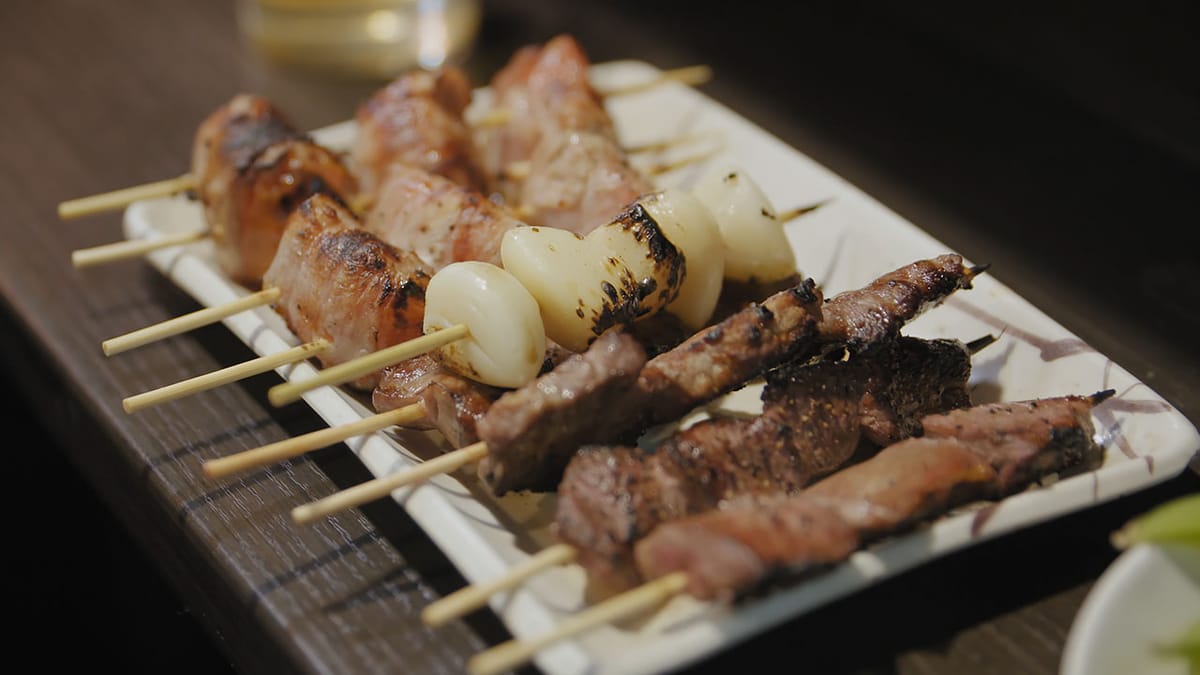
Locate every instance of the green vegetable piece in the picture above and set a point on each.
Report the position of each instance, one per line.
(1177, 520)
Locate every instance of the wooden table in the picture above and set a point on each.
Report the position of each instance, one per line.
(1029, 140)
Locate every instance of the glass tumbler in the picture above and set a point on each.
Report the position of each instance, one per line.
(373, 39)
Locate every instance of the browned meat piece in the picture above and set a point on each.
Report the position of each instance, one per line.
(438, 219)
(737, 295)
(985, 452)
(344, 284)
(246, 226)
(861, 317)
(700, 369)
(815, 417)
(578, 181)
(1009, 439)
(544, 89)
(251, 167)
(229, 137)
(453, 404)
(721, 358)
(417, 120)
(527, 429)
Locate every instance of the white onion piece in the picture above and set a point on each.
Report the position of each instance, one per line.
(506, 345)
(620, 272)
(690, 225)
(756, 246)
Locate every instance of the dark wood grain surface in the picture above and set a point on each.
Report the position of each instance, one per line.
(1060, 147)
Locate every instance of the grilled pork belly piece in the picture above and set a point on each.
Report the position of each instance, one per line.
(229, 136)
(816, 418)
(453, 404)
(246, 227)
(986, 452)
(543, 89)
(440, 220)
(558, 156)
(577, 180)
(417, 120)
(252, 167)
(344, 284)
(525, 454)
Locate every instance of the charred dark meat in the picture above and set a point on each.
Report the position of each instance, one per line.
(816, 418)
(525, 455)
(986, 452)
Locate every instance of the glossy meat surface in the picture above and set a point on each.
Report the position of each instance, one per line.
(346, 285)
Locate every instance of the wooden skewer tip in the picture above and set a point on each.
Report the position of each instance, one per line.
(513, 653)
(466, 600)
(385, 485)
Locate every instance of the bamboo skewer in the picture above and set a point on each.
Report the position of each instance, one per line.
(379, 488)
(108, 201)
(282, 394)
(692, 76)
(298, 445)
(508, 655)
(186, 322)
(382, 486)
(224, 376)
(470, 598)
(122, 250)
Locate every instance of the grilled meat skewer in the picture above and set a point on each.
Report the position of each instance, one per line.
(575, 174)
(416, 120)
(789, 324)
(343, 284)
(985, 452)
(816, 418)
(251, 168)
(516, 428)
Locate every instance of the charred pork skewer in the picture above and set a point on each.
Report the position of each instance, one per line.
(987, 452)
(346, 286)
(576, 174)
(726, 356)
(250, 167)
(416, 120)
(341, 287)
(816, 418)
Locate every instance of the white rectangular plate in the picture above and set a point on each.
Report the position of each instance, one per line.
(843, 245)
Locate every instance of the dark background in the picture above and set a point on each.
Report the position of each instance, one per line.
(987, 129)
